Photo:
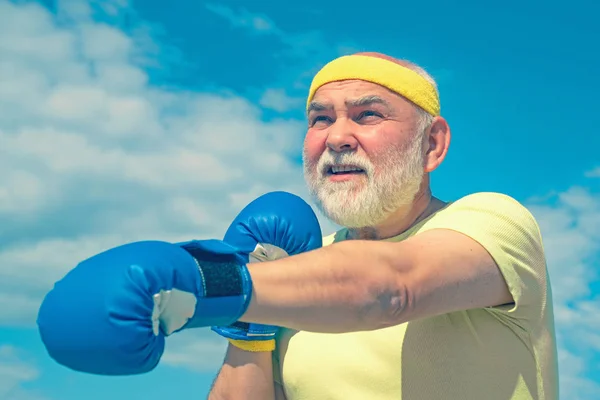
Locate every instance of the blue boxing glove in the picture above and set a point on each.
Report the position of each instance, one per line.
(111, 313)
(273, 226)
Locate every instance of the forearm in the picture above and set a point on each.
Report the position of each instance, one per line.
(349, 286)
(244, 375)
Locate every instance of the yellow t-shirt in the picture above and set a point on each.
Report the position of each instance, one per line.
(504, 353)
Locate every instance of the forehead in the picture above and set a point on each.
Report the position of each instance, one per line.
(342, 91)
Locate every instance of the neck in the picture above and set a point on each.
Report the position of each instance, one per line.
(404, 218)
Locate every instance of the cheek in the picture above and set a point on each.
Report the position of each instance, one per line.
(314, 146)
(376, 143)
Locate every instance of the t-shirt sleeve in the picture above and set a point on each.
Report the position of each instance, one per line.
(510, 233)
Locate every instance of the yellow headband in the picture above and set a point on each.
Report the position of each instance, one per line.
(396, 78)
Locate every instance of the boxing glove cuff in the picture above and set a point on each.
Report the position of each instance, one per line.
(254, 346)
(226, 280)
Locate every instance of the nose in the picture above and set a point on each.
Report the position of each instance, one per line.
(341, 136)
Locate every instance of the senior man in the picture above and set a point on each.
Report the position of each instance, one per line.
(414, 298)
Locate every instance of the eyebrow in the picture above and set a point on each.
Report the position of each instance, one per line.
(367, 101)
(360, 102)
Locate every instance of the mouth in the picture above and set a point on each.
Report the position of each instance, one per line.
(344, 170)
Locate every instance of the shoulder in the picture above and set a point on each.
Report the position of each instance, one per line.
(488, 200)
(505, 227)
(497, 209)
(510, 234)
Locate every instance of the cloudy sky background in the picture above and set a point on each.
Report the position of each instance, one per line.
(123, 121)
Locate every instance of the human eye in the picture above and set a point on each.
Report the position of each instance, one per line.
(368, 115)
(320, 120)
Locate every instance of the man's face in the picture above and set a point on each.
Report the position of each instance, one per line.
(363, 152)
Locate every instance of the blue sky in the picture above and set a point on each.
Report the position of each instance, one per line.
(125, 120)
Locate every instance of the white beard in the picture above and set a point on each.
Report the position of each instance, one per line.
(360, 204)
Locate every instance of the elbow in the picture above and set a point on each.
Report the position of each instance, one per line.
(388, 299)
(389, 307)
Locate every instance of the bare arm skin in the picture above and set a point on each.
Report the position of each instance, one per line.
(246, 375)
(367, 285)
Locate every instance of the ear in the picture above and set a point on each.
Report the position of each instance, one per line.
(438, 142)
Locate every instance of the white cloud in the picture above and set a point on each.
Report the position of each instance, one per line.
(242, 18)
(569, 223)
(19, 309)
(200, 350)
(298, 44)
(93, 155)
(14, 371)
(593, 173)
(304, 52)
(573, 383)
(279, 100)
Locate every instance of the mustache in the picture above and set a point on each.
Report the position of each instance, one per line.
(329, 160)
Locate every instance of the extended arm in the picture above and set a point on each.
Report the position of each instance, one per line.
(364, 285)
